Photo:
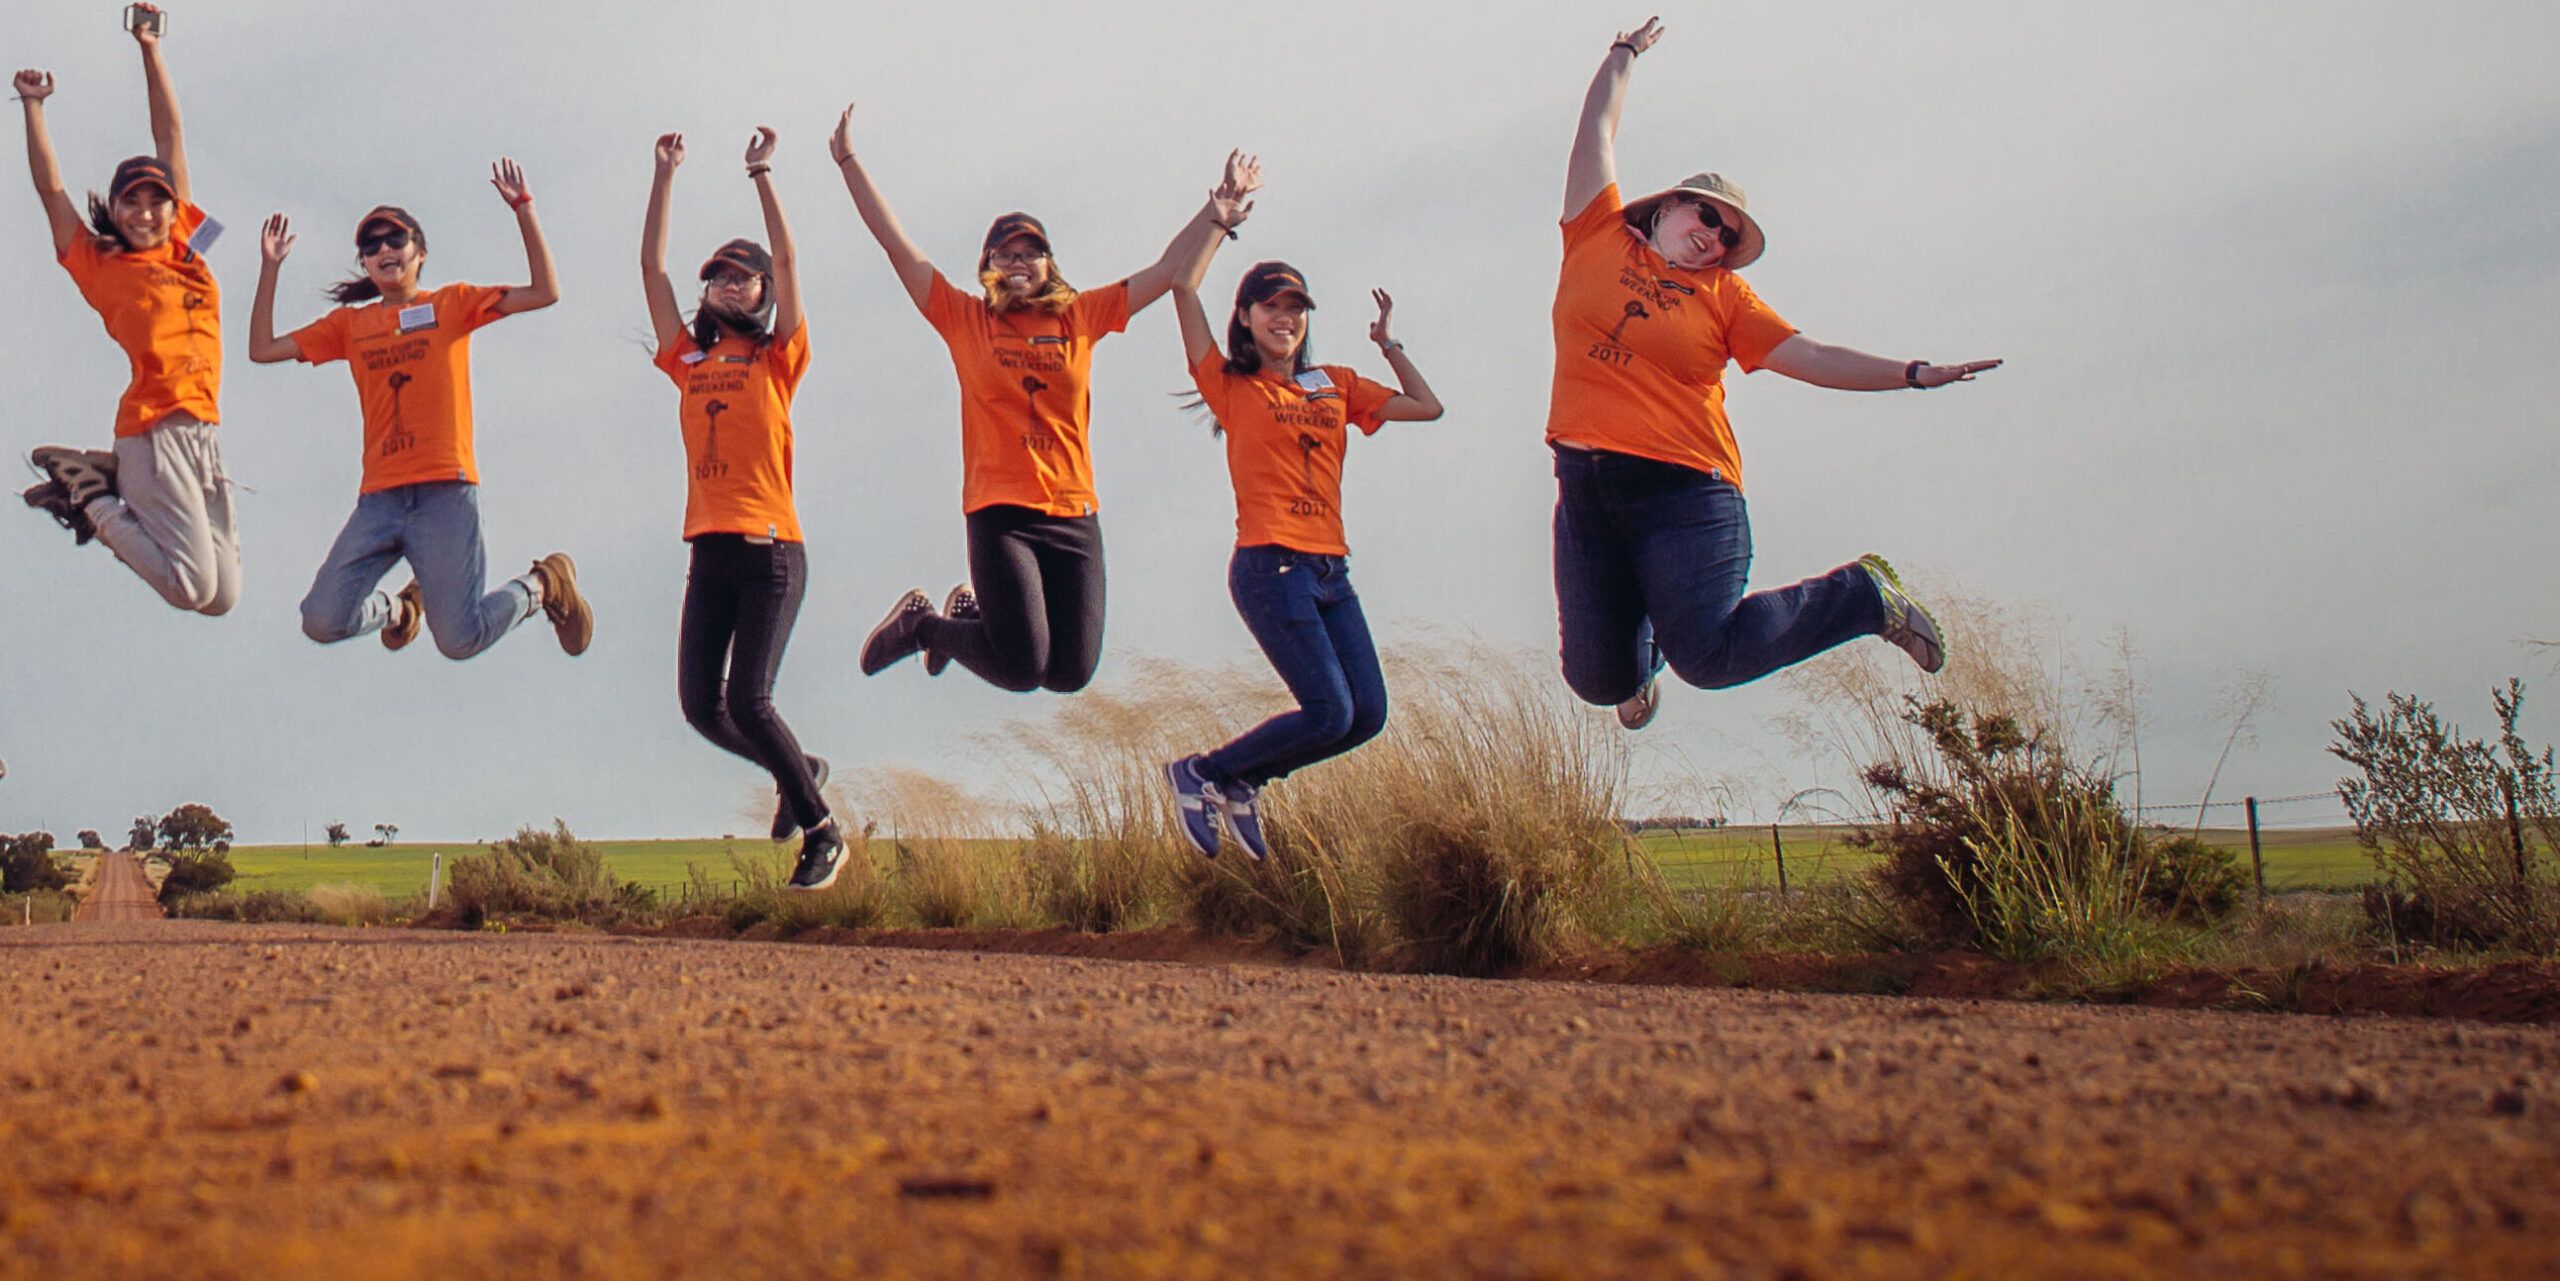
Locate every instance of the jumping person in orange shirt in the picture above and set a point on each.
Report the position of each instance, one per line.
(736, 367)
(1022, 347)
(159, 500)
(1652, 544)
(1287, 424)
(410, 353)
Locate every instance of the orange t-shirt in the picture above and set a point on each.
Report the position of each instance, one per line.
(737, 432)
(413, 374)
(163, 308)
(1025, 395)
(1286, 435)
(1641, 346)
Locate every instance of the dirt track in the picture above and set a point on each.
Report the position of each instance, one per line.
(185, 1099)
(123, 892)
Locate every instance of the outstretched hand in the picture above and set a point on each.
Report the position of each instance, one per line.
(760, 147)
(1243, 177)
(1386, 309)
(142, 33)
(508, 178)
(1642, 38)
(1941, 375)
(33, 85)
(840, 143)
(275, 240)
(670, 151)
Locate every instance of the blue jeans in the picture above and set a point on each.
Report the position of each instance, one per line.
(1302, 611)
(1650, 563)
(436, 528)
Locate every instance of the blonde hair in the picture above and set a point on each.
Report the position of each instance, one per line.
(1055, 299)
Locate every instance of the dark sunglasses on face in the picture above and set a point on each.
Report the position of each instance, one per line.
(368, 246)
(1714, 222)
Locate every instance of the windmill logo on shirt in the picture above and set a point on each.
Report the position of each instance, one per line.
(398, 438)
(1309, 445)
(711, 466)
(1635, 311)
(1036, 438)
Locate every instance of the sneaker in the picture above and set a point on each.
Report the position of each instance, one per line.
(821, 857)
(408, 613)
(1192, 799)
(561, 603)
(1906, 624)
(960, 606)
(898, 635)
(1236, 802)
(47, 497)
(1637, 712)
(783, 824)
(85, 475)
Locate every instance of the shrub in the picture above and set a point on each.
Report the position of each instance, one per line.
(1097, 884)
(37, 907)
(858, 900)
(549, 875)
(26, 864)
(195, 873)
(254, 907)
(939, 880)
(2189, 880)
(352, 905)
(2462, 831)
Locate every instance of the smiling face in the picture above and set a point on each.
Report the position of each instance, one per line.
(144, 215)
(390, 256)
(1279, 326)
(1021, 265)
(1690, 233)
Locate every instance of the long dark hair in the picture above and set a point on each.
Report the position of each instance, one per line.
(710, 322)
(102, 220)
(1244, 356)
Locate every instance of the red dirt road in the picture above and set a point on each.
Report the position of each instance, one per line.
(123, 892)
(200, 1100)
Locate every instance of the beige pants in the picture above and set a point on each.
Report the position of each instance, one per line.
(173, 524)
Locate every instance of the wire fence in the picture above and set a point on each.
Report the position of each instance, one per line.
(2287, 843)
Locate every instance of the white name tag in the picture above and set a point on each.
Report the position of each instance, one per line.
(207, 232)
(1315, 380)
(692, 357)
(416, 317)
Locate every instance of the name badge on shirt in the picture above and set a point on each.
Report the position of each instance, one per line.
(417, 317)
(693, 357)
(737, 360)
(207, 232)
(1059, 340)
(1315, 380)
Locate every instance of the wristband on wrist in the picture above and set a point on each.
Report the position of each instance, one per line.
(1629, 46)
(1231, 231)
(758, 170)
(1391, 346)
(521, 204)
(1911, 375)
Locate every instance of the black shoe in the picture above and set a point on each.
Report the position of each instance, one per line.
(85, 475)
(47, 497)
(783, 824)
(960, 606)
(821, 857)
(898, 635)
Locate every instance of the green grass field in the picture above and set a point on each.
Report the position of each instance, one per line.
(401, 870)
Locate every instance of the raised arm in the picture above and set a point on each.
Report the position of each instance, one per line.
(275, 240)
(1197, 242)
(914, 270)
(1243, 178)
(167, 141)
(1594, 165)
(33, 88)
(666, 318)
(1845, 369)
(777, 229)
(1414, 401)
(508, 178)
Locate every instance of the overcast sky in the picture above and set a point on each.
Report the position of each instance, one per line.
(2276, 284)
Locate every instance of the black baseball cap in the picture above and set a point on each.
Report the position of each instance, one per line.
(396, 216)
(1009, 226)
(139, 171)
(1269, 280)
(743, 254)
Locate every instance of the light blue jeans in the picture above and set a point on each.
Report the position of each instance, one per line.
(436, 528)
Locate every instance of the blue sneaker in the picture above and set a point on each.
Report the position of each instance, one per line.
(1236, 802)
(1906, 624)
(1193, 803)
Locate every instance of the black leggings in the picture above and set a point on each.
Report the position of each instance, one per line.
(1039, 584)
(739, 603)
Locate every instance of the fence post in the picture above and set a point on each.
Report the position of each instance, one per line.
(2257, 859)
(435, 879)
(1779, 844)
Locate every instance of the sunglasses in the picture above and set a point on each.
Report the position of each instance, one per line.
(1026, 257)
(1714, 222)
(369, 245)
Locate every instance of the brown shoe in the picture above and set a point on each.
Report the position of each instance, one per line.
(84, 474)
(408, 613)
(46, 496)
(562, 604)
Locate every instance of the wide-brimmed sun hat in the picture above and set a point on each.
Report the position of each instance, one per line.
(1731, 205)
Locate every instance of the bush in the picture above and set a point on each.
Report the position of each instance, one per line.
(26, 864)
(858, 900)
(194, 874)
(38, 907)
(547, 875)
(2462, 831)
(2189, 880)
(254, 907)
(1096, 884)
